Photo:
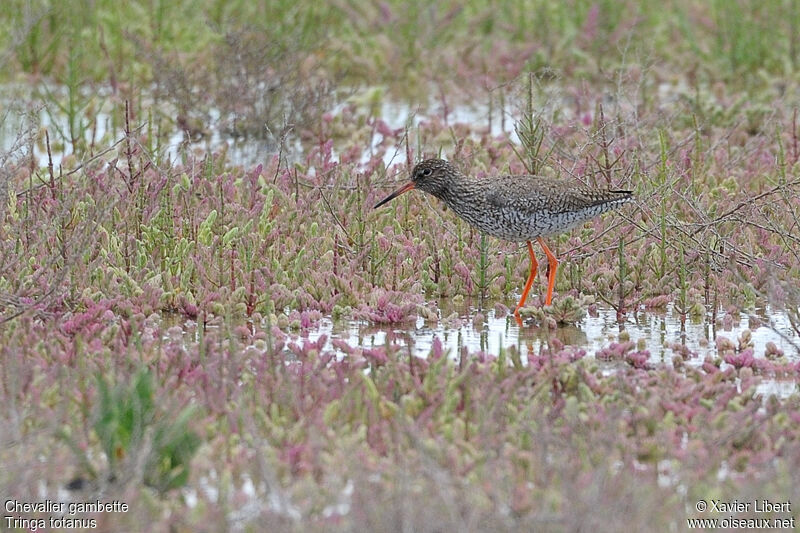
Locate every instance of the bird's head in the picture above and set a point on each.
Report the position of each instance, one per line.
(431, 176)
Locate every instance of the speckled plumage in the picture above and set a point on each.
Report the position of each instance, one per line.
(515, 208)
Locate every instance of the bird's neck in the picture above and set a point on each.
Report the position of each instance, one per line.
(457, 189)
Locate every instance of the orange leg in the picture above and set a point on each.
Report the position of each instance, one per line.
(531, 277)
(552, 264)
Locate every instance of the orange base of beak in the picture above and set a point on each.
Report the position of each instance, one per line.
(407, 187)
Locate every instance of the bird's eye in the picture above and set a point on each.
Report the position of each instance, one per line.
(426, 172)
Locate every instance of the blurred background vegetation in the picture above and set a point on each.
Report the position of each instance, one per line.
(252, 68)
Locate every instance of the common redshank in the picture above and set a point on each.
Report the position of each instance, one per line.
(514, 208)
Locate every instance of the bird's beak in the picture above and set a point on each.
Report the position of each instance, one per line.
(407, 187)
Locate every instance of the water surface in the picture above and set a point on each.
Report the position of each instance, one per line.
(664, 335)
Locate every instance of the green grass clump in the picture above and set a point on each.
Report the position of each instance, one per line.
(134, 433)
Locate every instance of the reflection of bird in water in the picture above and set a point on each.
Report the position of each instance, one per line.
(567, 335)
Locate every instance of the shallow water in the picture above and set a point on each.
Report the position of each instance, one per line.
(664, 334)
(661, 332)
(19, 114)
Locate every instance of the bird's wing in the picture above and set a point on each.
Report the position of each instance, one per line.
(529, 194)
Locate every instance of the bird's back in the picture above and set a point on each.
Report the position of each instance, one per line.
(522, 208)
